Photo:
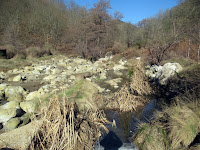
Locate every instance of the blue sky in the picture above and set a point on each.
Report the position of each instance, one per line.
(134, 10)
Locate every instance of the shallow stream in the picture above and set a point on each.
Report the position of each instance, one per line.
(119, 136)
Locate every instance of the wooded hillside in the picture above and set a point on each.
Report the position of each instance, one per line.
(70, 28)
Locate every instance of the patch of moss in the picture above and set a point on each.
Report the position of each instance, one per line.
(130, 72)
(74, 88)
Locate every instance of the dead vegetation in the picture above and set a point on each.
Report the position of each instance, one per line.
(174, 128)
(133, 95)
(139, 83)
(65, 127)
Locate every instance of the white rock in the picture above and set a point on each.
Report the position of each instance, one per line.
(11, 124)
(33, 95)
(28, 106)
(119, 67)
(11, 91)
(17, 78)
(163, 73)
(72, 77)
(7, 114)
(10, 105)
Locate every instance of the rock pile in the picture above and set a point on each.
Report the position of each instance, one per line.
(18, 100)
(163, 73)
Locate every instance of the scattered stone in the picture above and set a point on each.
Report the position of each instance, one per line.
(119, 67)
(20, 138)
(33, 95)
(103, 76)
(17, 78)
(29, 106)
(118, 73)
(2, 76)
(50, 77)
(7, 114)
(11, 124)
(114, 82)
(10, 105)
(12, 91)
(72, 77)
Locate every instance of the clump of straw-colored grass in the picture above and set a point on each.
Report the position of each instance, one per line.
(139, 82)
(175, 127)
(64, 127)
(183, 125)
(133, 95)
(150, 137)
(126, 101)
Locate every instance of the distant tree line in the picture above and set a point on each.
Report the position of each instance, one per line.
(70, 28)
(64, 26)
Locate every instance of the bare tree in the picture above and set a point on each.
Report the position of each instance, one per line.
(161, 37)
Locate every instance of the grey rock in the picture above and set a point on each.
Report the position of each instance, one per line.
(29, 106)
(11, 91)
(17, 78)
(163, 73)
(20, 138)
(7, 114)
(11, 124)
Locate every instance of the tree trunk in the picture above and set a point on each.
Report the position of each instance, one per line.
(199, 48)
(189, 43)
(198, 52)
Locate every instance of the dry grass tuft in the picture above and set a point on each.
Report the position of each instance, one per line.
(126, 101)
(184, 125)
(174, 128)
(130, 97)
(150, 137)
(64, 127)
(195, 147)
(139, 82)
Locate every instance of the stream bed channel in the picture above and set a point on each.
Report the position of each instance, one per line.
(123, 127)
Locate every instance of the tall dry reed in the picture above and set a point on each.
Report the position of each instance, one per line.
(64, 127)
(133, 95)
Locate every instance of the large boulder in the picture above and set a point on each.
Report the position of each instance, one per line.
(2, 90)
(168, 70)
(7, 114)
(29, 106)
(163, 73)
(20, 138)
(8, 111)
(10, 105)
(33, 95)
(11, 124)
(17, 97)
(14, 91)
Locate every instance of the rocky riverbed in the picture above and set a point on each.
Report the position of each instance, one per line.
(24, 91)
